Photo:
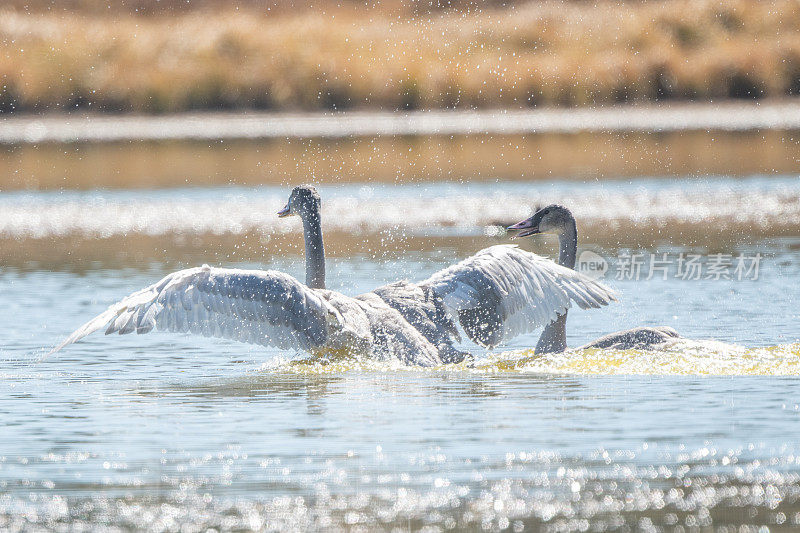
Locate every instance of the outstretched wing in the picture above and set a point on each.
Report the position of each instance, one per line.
(502, 292)
(254, 306)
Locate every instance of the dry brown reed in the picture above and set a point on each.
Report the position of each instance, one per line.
(391, 57)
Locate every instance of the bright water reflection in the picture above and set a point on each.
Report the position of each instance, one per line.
(170, 430)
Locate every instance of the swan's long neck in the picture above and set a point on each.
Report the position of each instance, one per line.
(315, 251)
(568, 245)
(554, 335)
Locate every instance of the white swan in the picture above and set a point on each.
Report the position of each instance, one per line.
(498, 293)
(558, 220)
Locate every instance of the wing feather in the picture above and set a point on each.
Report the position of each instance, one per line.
(261, 307)
(502, 292)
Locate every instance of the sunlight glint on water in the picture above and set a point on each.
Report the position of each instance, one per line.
(172, 431)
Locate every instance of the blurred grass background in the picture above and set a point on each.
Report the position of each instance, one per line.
(160, 56)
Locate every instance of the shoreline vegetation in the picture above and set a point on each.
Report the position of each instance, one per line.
(156, 57)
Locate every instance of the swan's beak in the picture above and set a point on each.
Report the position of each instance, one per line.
(285, 212)
(526, 227)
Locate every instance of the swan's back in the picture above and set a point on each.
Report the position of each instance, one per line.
(421, 308)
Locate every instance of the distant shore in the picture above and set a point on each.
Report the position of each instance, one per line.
(74, 128)
(394, 55)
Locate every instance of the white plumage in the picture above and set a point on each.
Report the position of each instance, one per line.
(258, 307)
(513, 292)
(498, 293)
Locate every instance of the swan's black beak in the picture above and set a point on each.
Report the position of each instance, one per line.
(285, 212)
(526, 227)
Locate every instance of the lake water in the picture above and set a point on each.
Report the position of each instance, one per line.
(176, 432)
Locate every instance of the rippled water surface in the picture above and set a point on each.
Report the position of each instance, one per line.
(170, 431)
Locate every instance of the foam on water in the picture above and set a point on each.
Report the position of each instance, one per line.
(683, 357)
(755, 203)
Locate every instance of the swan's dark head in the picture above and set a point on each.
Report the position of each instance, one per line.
(555, 219)
(303, 201)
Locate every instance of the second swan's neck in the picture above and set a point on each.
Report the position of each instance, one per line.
(315, 251)
(554, 335)
(568, 245)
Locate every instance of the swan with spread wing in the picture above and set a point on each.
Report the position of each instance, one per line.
(497, 294)
(558, 220)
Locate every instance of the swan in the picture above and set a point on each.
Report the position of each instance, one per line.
(497, 294)
(558, 220)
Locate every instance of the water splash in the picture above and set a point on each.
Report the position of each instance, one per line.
(683, 357)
